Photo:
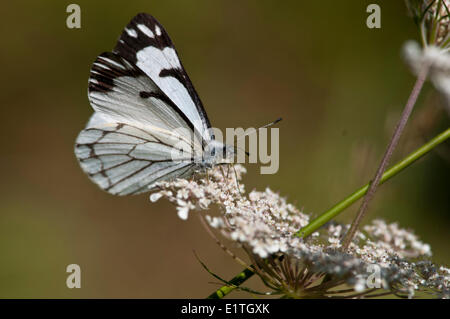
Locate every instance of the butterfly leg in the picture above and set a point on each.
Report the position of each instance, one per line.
(207, 177)
(236, 178)
(223, 172)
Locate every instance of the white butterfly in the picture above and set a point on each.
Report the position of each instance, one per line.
(149, 124)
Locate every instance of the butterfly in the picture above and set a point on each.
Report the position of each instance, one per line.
(149, 124)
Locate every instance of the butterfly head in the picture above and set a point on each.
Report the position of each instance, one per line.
(218, 153)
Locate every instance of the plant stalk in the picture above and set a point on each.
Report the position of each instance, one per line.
(387, 155)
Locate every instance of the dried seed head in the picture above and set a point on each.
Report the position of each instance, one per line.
(432, 18)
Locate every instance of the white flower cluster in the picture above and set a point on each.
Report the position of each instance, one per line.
(265, 225)
(263, 220)
(397, 240)
(220, 187)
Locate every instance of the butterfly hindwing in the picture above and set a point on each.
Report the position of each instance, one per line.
(123, 159)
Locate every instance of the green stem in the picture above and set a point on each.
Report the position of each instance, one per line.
(236, 281)
(339, 207)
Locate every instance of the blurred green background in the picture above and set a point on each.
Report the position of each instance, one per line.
(338, 85)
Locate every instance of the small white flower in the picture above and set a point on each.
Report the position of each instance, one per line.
(183, 212)
(360, 284)
(155, 196)
(183, 193)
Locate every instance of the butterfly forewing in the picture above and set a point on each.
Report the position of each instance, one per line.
(123, 92)
(146, 43)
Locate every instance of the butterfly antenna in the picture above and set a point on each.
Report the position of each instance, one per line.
(238, 148)
(264, 126)
(256, 130)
